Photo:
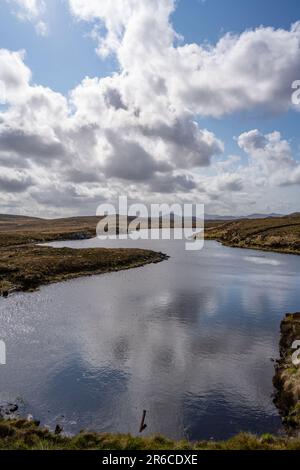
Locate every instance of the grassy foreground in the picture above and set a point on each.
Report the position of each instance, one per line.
(25, 435)
(25, 266)
(281, 234)
(287, 376)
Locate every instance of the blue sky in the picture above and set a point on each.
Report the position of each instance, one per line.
(61, 59)
(66, 55)
(208, 20)
(69, 48)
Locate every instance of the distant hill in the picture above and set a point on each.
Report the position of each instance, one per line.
(251, 216)
(17, 218)
(19, 222)
(219, 217)
(263, 216)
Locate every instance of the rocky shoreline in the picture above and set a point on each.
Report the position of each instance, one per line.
(287, 374)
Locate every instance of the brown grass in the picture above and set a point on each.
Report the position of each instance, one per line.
(280, 234)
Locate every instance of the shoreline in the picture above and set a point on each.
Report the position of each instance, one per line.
(34, 267)
(273, 235)
(21, 434)
(255, 247)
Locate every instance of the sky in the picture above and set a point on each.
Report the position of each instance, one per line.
(160, 100)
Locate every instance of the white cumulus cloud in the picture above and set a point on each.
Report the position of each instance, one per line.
(137, 131)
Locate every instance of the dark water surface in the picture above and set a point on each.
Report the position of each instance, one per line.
(190, 340)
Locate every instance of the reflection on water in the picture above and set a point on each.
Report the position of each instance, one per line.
(262, 260)
(190, 340)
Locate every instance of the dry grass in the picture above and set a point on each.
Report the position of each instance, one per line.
(280, 234)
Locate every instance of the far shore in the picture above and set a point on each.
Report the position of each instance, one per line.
(276, 234)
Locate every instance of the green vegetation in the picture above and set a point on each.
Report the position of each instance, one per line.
(287, 377)
(26, 266)
(281, 234)
(25, 435)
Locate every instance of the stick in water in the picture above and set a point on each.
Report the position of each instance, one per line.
(143, 425)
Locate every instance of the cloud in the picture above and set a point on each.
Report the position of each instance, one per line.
(241, 72)
(114, 99)
(172, 184)
(41, 28)
(138, 131)
(253, 70)
(123, 17)
(29, 145)
(128, 160)
(190, 146)
(14, 181)
(272, 156)
(61, 196)
(30, 8)
(154, 140)
(33, 11)
(14, 75)
(230, 182)
(262, 183)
